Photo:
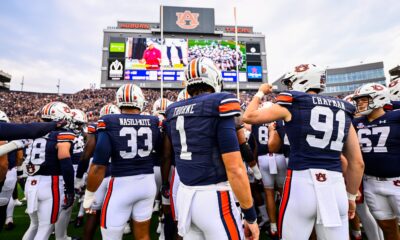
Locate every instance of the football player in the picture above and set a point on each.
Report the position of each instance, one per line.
(80, 121)
(272, 167)
(319, 129)
(51, 174)
(166, 226)
(128, 138)
(378, 133)
(159, 108)
(201, 131)
(93, 215)
(11, 160)
(370, 226)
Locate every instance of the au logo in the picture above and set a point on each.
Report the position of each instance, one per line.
(187, 20)
(396, 183)
(321, 177)
(302, 68)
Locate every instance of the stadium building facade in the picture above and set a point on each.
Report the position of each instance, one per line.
(343, 81)
(5, 80)
(133, 51)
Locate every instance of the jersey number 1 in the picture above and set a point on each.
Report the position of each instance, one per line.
(180, 126)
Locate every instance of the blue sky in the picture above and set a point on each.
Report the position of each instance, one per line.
(46, 40)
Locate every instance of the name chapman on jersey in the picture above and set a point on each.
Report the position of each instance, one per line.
(328, 102)
(134, 122)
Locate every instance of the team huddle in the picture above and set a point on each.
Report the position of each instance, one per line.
(302, 166)
(223, 56)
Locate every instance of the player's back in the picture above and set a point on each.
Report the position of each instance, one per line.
(77, 151)
(42, 154)
(380, 144)
(280, 128)
(133, 137)
(260, 135)
(193, 127)
(317, 130)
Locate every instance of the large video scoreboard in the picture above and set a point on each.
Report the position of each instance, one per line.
(134, 51)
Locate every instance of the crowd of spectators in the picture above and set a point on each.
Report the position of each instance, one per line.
(25, 106)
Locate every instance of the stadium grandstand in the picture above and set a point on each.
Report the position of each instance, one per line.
(91, 139)
(25, 106)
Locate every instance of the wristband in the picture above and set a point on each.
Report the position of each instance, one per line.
(256, 172)
(250, 214)
(259, 94)
(351, 197)
(88, 199)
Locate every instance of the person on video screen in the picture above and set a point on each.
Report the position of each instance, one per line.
(151, 57)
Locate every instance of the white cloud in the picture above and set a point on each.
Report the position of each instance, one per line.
(65, 39)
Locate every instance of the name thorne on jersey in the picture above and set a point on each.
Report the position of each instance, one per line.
(187, 109)
(134, 122)
(329, 102)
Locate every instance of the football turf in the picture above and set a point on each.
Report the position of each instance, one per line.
(21, 221)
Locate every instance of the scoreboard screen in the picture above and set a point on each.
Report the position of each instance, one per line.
(133, 58)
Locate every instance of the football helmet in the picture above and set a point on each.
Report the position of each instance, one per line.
(378, 96)
(394, 89)
(183, 95)
(130, 95)
(160, 106)
(78, 116)
(56, 111)
(109, 109)
(305, 77)
(3, 117)
(203, 71)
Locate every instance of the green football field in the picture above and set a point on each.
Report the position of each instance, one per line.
(21, 221)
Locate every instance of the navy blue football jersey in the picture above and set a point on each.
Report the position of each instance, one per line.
(163, 127)
(42, 154)
(92, 130)
(260, 135)
(193, 126)
(280, 128)
(77, 151)
(395, 104)
(380, 144)
(133, 138)
(317, 131)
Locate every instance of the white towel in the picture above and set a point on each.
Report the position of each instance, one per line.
(273, 169)
(31, 191)
(184, 202)
(327, 208)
